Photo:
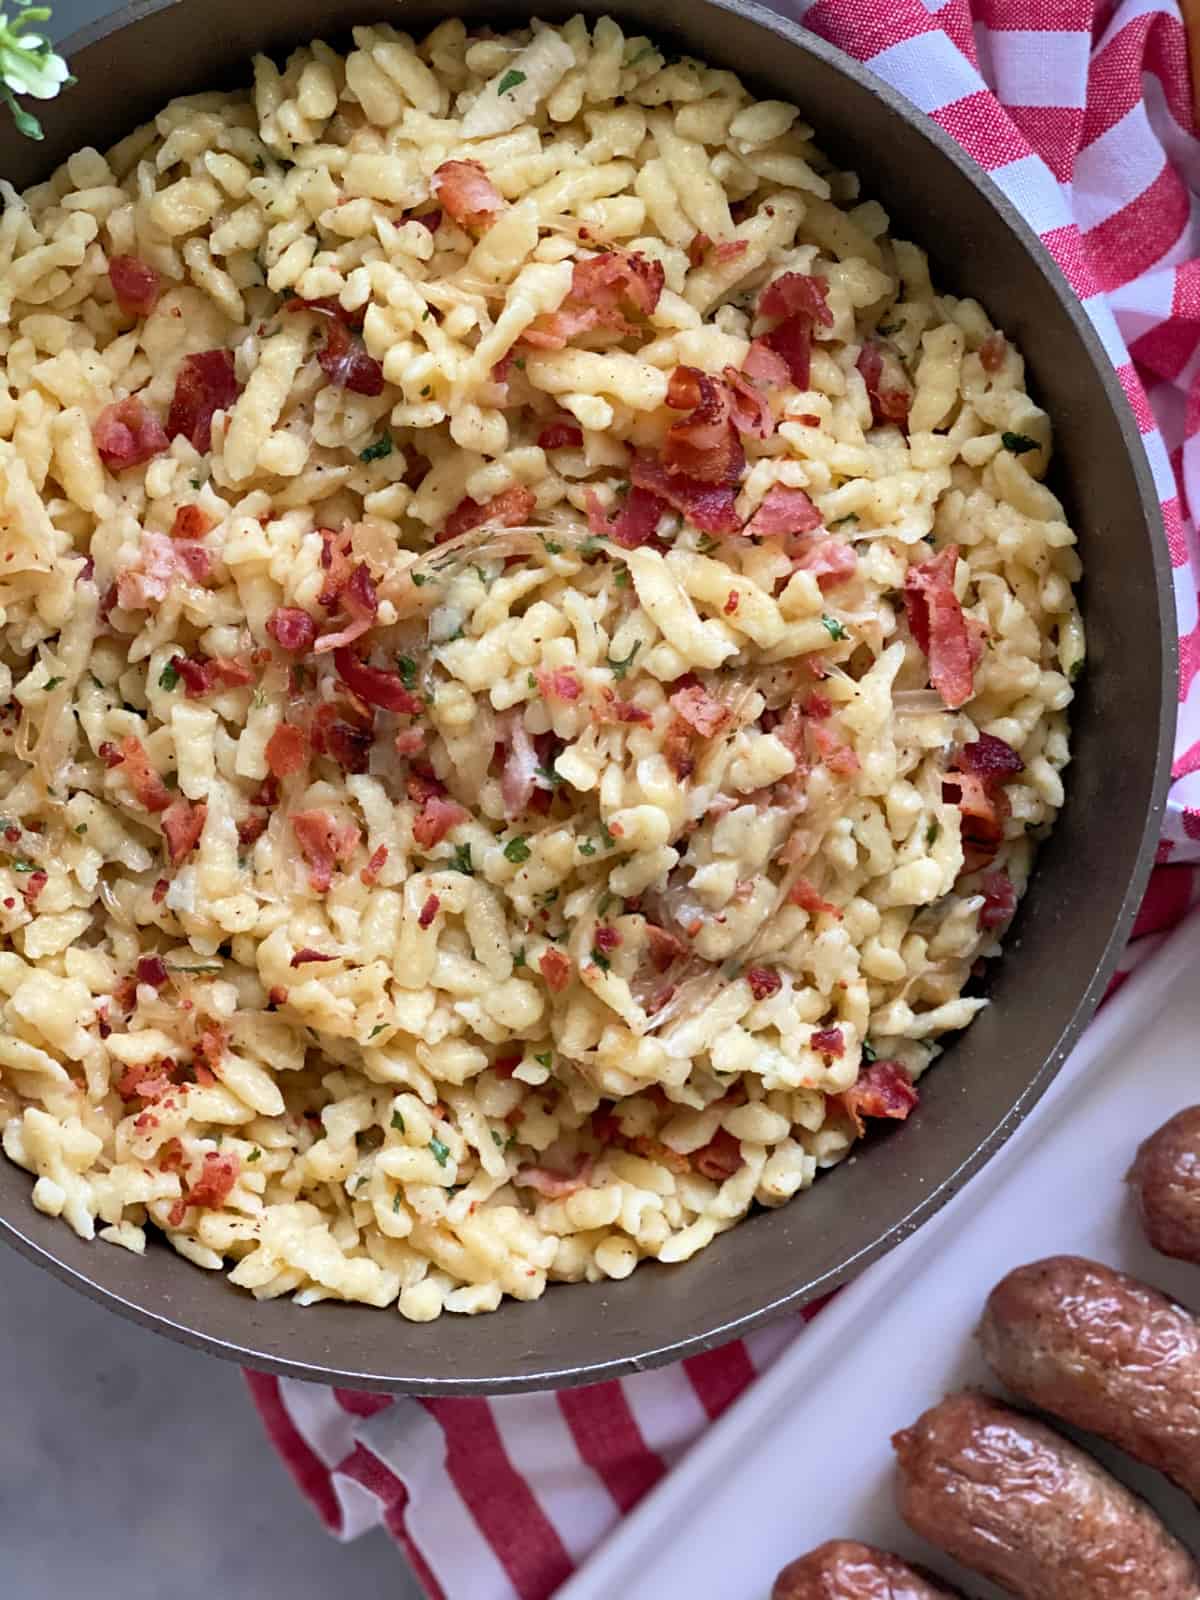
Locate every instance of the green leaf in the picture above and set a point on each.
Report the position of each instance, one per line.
(552, 547)
(510, 80)
(25, 123)
(591, 545)
(517, 850)
(379, 450)
(168, 678)
(530, 681)
(1018, 443)
(619, 668)
(548, 898)
(441, 1152)
(408, 671)
(834, 628)
(461, 860)
(51, 683)
(397, 1122)
(546, 1059)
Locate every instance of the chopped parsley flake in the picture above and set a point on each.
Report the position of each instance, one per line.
(519, 959)
(530, 681)
(834, 628)
(204, 966)
(551, 546)
(1018, 443)
(548, 775)
(517, 850)
(169, 676)
(461, 860)
(254, 1155)
(1075, 669)
(868, 1052)
(196, 483)
(931, 833)
(396, 1198)
(377, 451)
(545, 1060)
(51, 683)
(441, 1152)
(547, 899)
(426, 391)
(377, 1030)
(408, 671)
(82, 828)
(621, 578)
(397, 1122)
(587, 848)
(426, 314)
(620, 668)
(601, 959)
(419, 579)
(842, 521)
(498, 1139)
(510, 80)
(23, 866)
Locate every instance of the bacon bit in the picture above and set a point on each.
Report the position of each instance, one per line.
(698, 248)
(151, 792)
(345, 733)
(360, 602)
(126, 434)
(763, 982)
(703, 445)
(287, 750)
(731, 603)
(560, 435)
(791, 340)
(831, 562)
(182, 824)
(372, 684)
(707, 506)
(765, 366)
(409, 742)
(136, 285)
(201, 676)
(720, 1158)
(435, 819)
(796, 292)
(937, 623)
(621, 711)
(605, 1125)
(634, 525)
(209, 1048)
(252, 827)
(429, 219)
(834, 752)
(217, 1178)
(884, 1089)
(603, 288)
(416, 467)
(558, 684)
(999, 900)
(306, 957)
(345, 362)
(325, 843)
(170, 1156)
(556, 1185)
(151, 970)
(556, 969)
(783, 510)
(700, 710)
(145, 1083)
(428, 911)
(205, 384)
(818, 706)
(829, 1042)
(890, 404)
(278, 995)
(804, 893)
(665, 948)
(33, 886)
(159, 892)
(606, 938)
(655, 1150)
(730, 249)
(993, 351)
(509, 510)
(990, 759)
(292, 629)
(808, 418)
(467, 193)
(749, 408)
(370, 873)
(677, 748)
(191, 522)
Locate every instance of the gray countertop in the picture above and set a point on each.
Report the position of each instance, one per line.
(131, 1467)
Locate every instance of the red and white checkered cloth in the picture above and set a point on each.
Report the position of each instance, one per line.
(1081, 111)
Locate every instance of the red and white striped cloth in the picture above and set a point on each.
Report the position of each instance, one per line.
(1081, 111)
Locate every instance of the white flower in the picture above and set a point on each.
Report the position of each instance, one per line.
(28, 66)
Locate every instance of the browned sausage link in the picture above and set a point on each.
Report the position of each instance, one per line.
(1008, 1497)
(1166, 1179)
(1104, 1352)
(843, 1569)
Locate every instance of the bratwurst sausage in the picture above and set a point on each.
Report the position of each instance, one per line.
(1008, 1497)
(843, 1569)
(1166, 1179)
(1104, 1352)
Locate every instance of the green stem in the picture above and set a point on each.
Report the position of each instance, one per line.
(26, 123)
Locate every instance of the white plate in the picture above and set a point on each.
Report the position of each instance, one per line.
(804, 1456)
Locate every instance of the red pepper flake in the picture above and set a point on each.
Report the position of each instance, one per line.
(159, 893)
(428, 911)
(731, 603)
(33, 887)
(370, 873)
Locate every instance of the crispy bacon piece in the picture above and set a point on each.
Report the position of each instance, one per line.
(325, 843)
(344, 732)
(191, 522)
(707, 506)
(372, 684)
(703, 445)
(698, 247)
(607, 938)
(148, 1081)
(205, 383)
(360, 602)
(634, 525)
(558, 684)
(603, 288)
(149, 789)
(136, 285)
(287, 750)
(888, 402)
(664, 948)
(252, 826)
(765, 366)
(677, 748)
(783, 510)
(293, 630)
(556, 1185)
(555, 968)
(183, 823)
(940, 628)
(428, 911)
(834, 752)
(993, 351)
(720, 1158)
(796, 292)
(437, 816)
(126, 434)
(791, 341)
(215, 1184)
(307, 956)
(990, 759)
(700, 710)
(805, 894)
(749, 409)
(831, 562)
(151, 970)
(207, 1053)
(509, 510)
(345, 362)
(560, 435)
(999, 900)
(763, 981)
(370, 873)
(467, 193)
(883, 1089)
(829, 1042)
(416, 467)
(203, 675)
